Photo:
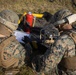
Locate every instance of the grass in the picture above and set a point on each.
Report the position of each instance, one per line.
(35, 6)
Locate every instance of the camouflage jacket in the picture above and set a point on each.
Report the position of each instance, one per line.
(11, 49)
(63, 47)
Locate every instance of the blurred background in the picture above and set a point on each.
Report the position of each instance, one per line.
(37, 6)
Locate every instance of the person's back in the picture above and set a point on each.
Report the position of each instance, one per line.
(12, 53)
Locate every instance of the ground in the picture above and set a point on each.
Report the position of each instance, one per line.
(36, 6)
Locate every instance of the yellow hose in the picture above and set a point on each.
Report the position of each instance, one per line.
(36, 15)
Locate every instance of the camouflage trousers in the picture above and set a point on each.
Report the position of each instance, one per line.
(39, 66)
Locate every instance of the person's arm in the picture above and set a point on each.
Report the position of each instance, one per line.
(53, 56)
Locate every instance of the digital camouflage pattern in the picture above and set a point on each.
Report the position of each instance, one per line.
(10, 16)
(12, 53)
(12, 50)
(64, 47)
(60, 15)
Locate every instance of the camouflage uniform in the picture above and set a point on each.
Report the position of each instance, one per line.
(13, 49)
(63, 47)
(12, 53)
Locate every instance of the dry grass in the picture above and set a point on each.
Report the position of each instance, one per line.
(35, 6)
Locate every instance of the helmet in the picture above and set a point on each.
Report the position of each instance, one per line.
(9, 19)
(61, 14)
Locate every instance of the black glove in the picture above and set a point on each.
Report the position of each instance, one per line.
(47, 16)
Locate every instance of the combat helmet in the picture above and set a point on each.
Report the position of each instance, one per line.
(9, 18)
(61, 14)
